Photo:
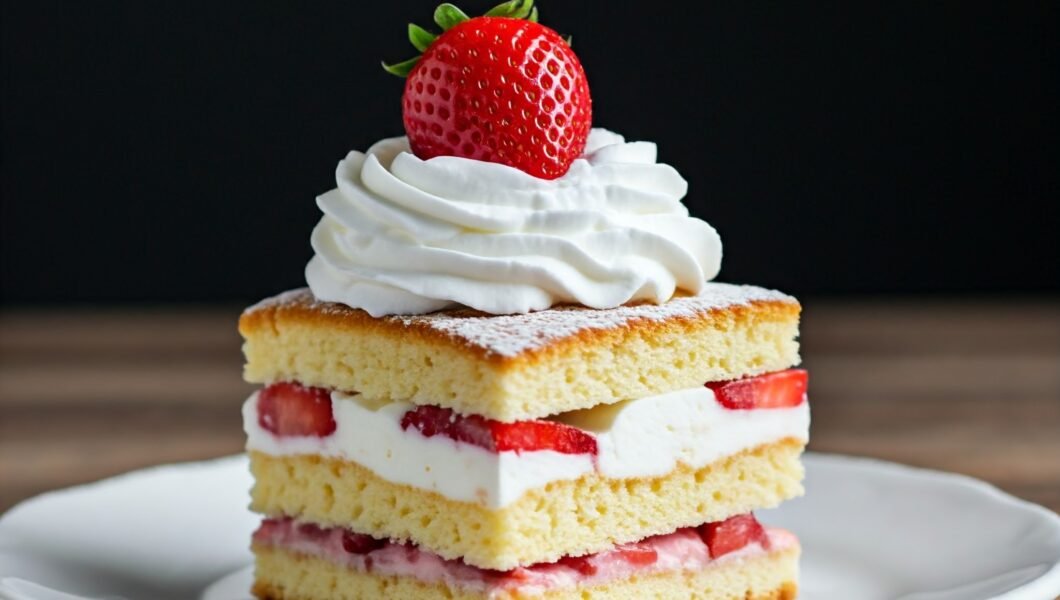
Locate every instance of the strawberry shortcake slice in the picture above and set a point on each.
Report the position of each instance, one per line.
(490, 491)
(512, 374)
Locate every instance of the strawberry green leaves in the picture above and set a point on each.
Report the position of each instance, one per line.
(401, 69)
(515, 9)
(420, 37)
(448, 16)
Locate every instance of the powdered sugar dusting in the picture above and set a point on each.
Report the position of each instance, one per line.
(288, 298)
(512, 335)
(298, 297)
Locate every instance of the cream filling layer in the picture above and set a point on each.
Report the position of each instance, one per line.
(636, 438)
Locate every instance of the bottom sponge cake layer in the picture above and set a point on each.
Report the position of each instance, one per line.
(282, 575)
(573, 517)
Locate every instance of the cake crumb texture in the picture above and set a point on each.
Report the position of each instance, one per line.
(573, 517)
(517, 367)
(282, 575)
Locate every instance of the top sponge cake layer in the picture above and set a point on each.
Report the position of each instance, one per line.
(515, 367)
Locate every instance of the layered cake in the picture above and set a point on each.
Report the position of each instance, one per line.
(511, 375)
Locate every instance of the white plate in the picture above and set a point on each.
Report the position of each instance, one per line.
(870, 530)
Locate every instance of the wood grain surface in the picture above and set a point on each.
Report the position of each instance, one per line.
(971, 387)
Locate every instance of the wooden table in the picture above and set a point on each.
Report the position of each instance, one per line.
(961, 386)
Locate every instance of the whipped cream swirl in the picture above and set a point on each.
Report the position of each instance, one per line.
(401, 235)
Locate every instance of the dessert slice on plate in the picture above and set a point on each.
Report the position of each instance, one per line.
(510, 376)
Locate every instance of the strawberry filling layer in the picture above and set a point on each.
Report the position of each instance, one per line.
(689, 549)
(475, 459)
(291, 409)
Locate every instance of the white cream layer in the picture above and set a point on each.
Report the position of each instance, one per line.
(636, 438)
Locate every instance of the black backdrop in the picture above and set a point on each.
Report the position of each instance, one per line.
(171, 151)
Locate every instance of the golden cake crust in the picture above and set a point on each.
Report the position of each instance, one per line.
(282, 575)
(516, 367)
(444, 329)
(572, 517)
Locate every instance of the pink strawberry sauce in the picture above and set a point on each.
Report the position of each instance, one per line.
(682, 550)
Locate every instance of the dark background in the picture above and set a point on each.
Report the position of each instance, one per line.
(171, 151)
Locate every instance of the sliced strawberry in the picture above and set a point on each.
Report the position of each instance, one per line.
(435, 420)
(732, 534)
(358, 543)
(542, 435)
(290, 409)
(496, 436)
(781, 389)
(636, 554)
(581, 564)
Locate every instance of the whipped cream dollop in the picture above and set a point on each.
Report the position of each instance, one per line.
(401, 235)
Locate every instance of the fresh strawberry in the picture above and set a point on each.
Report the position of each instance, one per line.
(733, 534)
(498, 88)
(497, 436)
(637, 554)
(358, 543)
(780, 389)
(581, 564)
(290, 409)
